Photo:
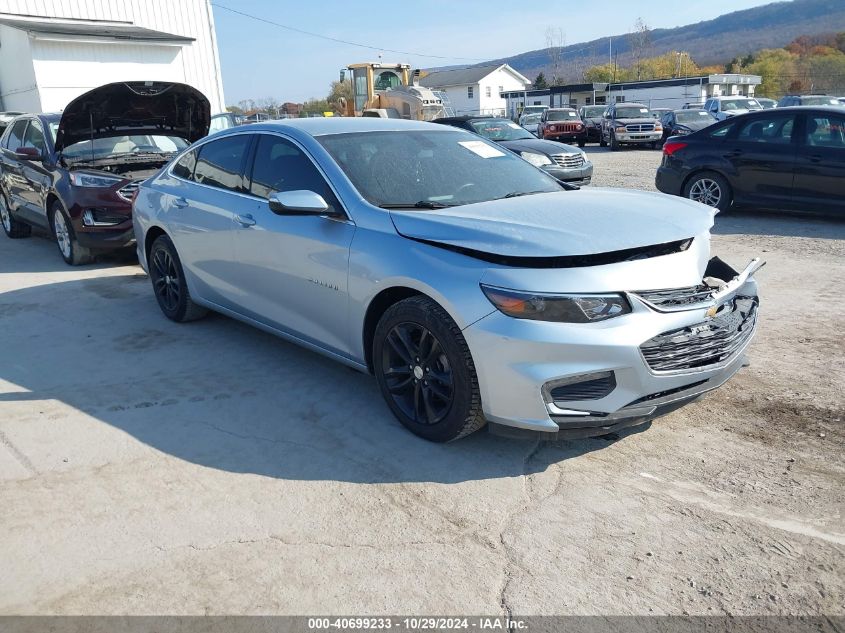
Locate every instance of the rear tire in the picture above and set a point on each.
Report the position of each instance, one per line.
(581, 144)
(425, 371)
(169, 285)
(13, 228)
(65, 237)
(709, 188)
(602, 142)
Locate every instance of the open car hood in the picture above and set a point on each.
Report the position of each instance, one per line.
(564, 224)
(135, 107)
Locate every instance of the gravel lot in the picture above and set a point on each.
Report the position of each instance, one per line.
(149, 467)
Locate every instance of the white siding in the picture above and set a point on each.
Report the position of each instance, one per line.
(462, 104)
(17, 75)
(67, 69)
(496, 104)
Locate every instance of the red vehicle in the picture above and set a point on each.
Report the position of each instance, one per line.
(564, 125)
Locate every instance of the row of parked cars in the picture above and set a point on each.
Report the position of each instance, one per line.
(474, 285)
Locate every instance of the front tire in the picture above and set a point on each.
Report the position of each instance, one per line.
(614, 144)
(425, 371)
(13, 228)
(65, 237)
(602, 142)
(169, 285)
(709, 188)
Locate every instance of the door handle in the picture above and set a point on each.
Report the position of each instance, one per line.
(180, 203)
(245, 220)
(816, 158)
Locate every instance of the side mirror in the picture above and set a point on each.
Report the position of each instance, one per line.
(28, 153)
(298, 203)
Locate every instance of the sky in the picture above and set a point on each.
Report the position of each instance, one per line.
(260, 60)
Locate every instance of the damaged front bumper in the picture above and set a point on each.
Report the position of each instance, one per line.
(582, 380)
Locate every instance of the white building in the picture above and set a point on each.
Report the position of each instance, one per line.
(52, 52)
(476, 90)
(657, 93)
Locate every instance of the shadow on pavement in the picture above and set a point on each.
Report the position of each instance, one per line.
(220, 394)
(754, 222)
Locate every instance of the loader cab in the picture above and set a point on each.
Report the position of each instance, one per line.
(367, 78)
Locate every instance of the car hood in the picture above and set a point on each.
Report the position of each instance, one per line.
(567, 223)
(540, 146)
(135, 107)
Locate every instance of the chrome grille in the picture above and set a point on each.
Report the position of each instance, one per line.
(127, 191)
(677, 298)
(640, 127)
(568, 161)
(704, 344)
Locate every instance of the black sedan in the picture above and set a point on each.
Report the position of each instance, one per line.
(785, 159)
(566, 163)
(683, 122)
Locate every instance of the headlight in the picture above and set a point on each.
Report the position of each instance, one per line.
(80, 179)
(620, 127)
(558, 308)
(538, 160)
(658, 127)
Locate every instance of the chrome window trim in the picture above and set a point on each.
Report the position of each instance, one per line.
(347, 219)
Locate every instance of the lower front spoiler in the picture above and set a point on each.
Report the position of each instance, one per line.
(574, 425)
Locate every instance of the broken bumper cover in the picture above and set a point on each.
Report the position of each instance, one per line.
(522, 364)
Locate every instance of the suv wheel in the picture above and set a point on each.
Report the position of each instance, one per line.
(709, 188)
(169, 285)
(71, 251)
(602, 142)
(11, 227)
(614, 144)
(425, 371)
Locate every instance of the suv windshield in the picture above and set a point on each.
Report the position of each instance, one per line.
(632, 112)
(101, 148)
(817, 101)
(693, 116)
(430, 169)
(593, 111)
(561, 115)
(740, 104)
(500, 130)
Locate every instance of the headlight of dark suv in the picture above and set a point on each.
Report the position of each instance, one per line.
(563, 308)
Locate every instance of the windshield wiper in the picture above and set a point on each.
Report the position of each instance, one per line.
(517, 194)
(422, 204)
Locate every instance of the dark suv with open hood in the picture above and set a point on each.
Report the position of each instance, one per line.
(75, 174)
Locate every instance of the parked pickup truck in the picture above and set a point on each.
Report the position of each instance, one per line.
(629, 124)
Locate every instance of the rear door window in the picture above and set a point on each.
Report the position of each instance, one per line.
(220, 163)
(34, 137)
(15, 138)
(184, 167)
(825, 131)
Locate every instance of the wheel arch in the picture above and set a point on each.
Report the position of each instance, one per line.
(703, 169)
(376, 308)
(152, 234)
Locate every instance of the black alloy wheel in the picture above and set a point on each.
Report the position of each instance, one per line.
(425, 371)
(417, 373)
(169, 285)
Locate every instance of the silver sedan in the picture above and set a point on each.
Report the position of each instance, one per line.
(474, 286)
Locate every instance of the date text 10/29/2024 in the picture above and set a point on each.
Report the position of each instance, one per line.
(482, 623)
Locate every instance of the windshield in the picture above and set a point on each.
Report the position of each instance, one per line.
(693, 116)
(533, 109)
(531, 119)
(594, 111)
(741, 104)
(561, 115)
(429, 169)
(500, 130)
(632, 112)
(817, 101)
(101, 148)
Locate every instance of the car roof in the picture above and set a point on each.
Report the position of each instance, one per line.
(631, 103)
(558, 109)
(320, 126)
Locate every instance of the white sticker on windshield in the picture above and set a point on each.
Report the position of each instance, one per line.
(644, 110)
(480, 148)
(513, 125)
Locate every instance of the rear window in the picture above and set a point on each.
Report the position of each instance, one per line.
(220, 163)
(184, 167)
(15, 138)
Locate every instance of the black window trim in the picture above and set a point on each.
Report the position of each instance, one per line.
(249, 153)
(794, 139)
(24, 119)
